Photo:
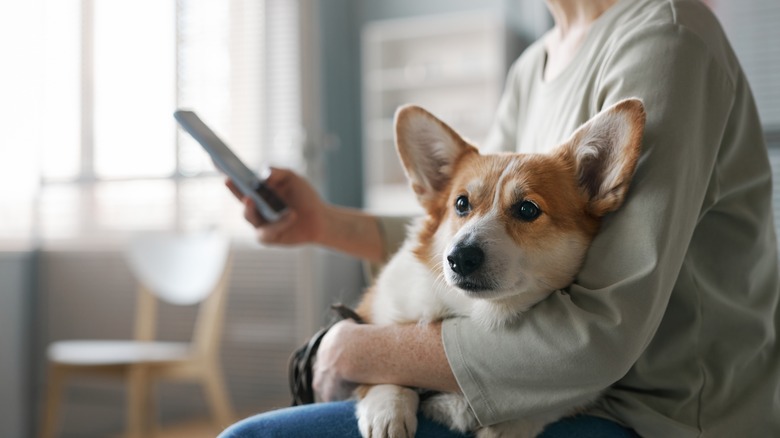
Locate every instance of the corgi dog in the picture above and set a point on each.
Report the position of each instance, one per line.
(500, 233)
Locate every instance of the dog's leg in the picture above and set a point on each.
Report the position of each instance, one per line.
(387, 411)
(451, 410)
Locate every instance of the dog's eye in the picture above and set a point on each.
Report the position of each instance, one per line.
(527, 211)
(462, 206)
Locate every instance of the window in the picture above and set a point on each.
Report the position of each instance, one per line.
(105, 155)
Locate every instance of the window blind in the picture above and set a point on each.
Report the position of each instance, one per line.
(110, 75)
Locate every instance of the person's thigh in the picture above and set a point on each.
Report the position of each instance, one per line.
(324, 420)
(586, 426)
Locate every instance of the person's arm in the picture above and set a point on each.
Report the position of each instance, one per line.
(407, 355)
(578, 342)
(353, 232)
(310, 220)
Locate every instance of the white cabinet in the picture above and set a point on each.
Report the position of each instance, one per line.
(452, 65)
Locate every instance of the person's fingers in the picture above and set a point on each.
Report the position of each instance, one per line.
(234, 189)
(278, 232)
(251, 214)
(270, 174)
(275, 177)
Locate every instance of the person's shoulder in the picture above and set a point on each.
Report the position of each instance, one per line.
(690, 14)
(689, 23)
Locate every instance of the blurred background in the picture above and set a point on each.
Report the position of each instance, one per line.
(90, 155)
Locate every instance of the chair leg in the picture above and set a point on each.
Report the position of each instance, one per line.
(151, 409)
(217, 395)
(53, 401)
(138, 402)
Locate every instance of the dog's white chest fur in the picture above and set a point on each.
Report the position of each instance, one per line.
(501, 251)
(408, 292)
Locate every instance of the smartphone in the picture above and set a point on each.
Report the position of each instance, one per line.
(268, 204)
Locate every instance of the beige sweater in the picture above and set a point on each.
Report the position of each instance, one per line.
(675, 312)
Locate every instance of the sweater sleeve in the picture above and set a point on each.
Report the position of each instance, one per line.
(393, 229)
(581, 340)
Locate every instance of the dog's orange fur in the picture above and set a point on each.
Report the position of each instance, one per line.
(574, 187)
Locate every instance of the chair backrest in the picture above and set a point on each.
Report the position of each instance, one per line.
(182, 269)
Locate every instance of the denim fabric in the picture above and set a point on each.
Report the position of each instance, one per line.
(337, 420)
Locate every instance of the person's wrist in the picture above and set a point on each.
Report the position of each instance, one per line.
(340, 338)
(323, 234)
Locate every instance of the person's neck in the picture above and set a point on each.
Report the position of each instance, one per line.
(573, 19)
(571, 15)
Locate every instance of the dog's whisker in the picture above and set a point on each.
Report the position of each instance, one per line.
(501, 264)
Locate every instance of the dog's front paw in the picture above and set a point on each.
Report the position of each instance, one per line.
(388, 411)
(452, 410)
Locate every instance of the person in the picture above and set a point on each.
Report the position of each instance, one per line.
(674, 315)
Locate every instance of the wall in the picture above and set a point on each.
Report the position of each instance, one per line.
(340, 23)
(17, 273)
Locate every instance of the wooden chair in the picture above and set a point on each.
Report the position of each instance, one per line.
(179, 269)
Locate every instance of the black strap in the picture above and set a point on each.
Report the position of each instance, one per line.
(301, 362)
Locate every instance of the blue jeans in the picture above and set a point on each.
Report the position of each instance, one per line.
(337, 420)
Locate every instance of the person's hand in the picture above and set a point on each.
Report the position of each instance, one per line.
(329, 382)
(405, 354)
(305, 219)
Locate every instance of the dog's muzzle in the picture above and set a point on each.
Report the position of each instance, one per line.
(466, 259)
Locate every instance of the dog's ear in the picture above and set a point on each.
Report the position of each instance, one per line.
(428, 149)
(604, 152)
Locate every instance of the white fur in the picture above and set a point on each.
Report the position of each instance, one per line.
(388, 411)
(515, 278)
(451, 409)
(408, 291)
(519, 278)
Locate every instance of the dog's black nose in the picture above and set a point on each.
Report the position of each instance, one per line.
(466, 259)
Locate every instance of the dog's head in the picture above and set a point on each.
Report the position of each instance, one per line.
(516, 225)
